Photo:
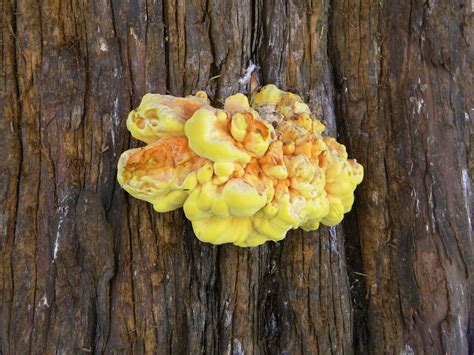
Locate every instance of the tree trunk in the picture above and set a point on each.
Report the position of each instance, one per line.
(86, 268)
(402, 76)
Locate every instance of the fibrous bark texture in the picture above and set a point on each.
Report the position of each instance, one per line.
(402, 73)
(86, 268)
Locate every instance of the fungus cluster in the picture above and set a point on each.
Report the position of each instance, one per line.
(244, 174)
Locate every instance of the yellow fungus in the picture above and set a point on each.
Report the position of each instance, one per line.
(238, 127)
(209, 138)
(243, 175)
(223, 169)
(236, 103)
(161, 116)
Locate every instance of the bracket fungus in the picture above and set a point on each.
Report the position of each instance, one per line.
(244, 174)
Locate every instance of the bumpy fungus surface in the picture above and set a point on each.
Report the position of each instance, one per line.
(244, 174)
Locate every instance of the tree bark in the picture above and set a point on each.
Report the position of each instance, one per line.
(403, 76)
(86, 268)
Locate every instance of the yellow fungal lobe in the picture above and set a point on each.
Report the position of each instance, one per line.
(208, 136)
(162, 116)
(161, 173)
(244, 174)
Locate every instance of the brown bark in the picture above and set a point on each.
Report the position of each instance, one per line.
(403, 76)
(86, 268)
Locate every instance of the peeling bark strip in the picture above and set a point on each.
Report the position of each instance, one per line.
(84, 268)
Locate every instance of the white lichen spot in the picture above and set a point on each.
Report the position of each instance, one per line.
(248, 74)
(430, 142)
(466, 190)
(228, 318)
(44, 302)
(431, 206)
(63, 211)
(134, 35)
(376, 47)
(76, 116)
(408, 350)
(115, 122)
(238, 348)
(419, 105)
(417, 202)
(375, 197)
(298, 55)
(103, 45)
